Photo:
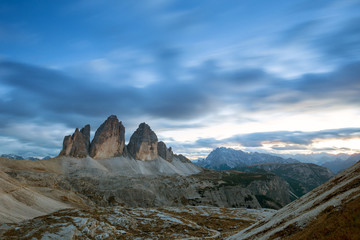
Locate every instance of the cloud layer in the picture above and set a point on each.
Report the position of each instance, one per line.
(180, 65)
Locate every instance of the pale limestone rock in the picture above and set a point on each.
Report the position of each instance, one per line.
(109, 139)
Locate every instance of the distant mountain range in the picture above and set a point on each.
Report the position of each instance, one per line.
(18, 157)
(301, 177)
(317, 158)
(339, 165)
(227, 158)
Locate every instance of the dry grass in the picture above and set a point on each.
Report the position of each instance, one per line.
(341, 223)
(224, 222)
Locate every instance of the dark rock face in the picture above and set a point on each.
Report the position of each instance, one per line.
(78, 144)
(182, 158)
(301, 177)
(164, 152)
(143, 144)
(109, 139)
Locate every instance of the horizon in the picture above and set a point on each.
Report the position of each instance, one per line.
(280, 78)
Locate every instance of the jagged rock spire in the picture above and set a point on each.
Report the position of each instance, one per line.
(164, 152)
(143, 144)
(77, 145)
(109, 139)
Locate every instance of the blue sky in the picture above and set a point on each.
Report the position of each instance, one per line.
(278, 76)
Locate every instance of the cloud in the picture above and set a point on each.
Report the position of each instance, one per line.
(178, 64)
(45, 96)
(344, 43)
(294, 139)
(41, 95)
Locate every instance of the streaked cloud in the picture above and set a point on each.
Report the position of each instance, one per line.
(203, 73)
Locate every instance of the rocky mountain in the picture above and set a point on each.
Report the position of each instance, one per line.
(164, 152)
(109, 142)
(330, 211)
(339, 165)
(77, 145)
(109, 139)
(143, 143)
(302, 177)
(85, 182)
(227, 158)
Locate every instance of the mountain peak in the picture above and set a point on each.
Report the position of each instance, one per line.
(77, 145)
(164, 152)
(223, 158)
(109, 142)
(109, 139)
(143, 144)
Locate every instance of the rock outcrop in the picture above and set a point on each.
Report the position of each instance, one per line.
(77, 145)
(182, 158)
(164, 152)
(143, 144)
(109, 140)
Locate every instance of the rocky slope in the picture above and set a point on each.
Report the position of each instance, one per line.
(19, 202)
(228, 158)
(302, 177)
(330, 211)
(106, 181)
(72, 182)
(135, 223)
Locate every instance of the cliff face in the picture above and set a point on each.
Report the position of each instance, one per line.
(274, 193)
(302, 177)
(143, 143)
(109, 140)
(164, 152)
(77, 145)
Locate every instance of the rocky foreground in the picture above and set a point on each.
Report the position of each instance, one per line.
(135, 223)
